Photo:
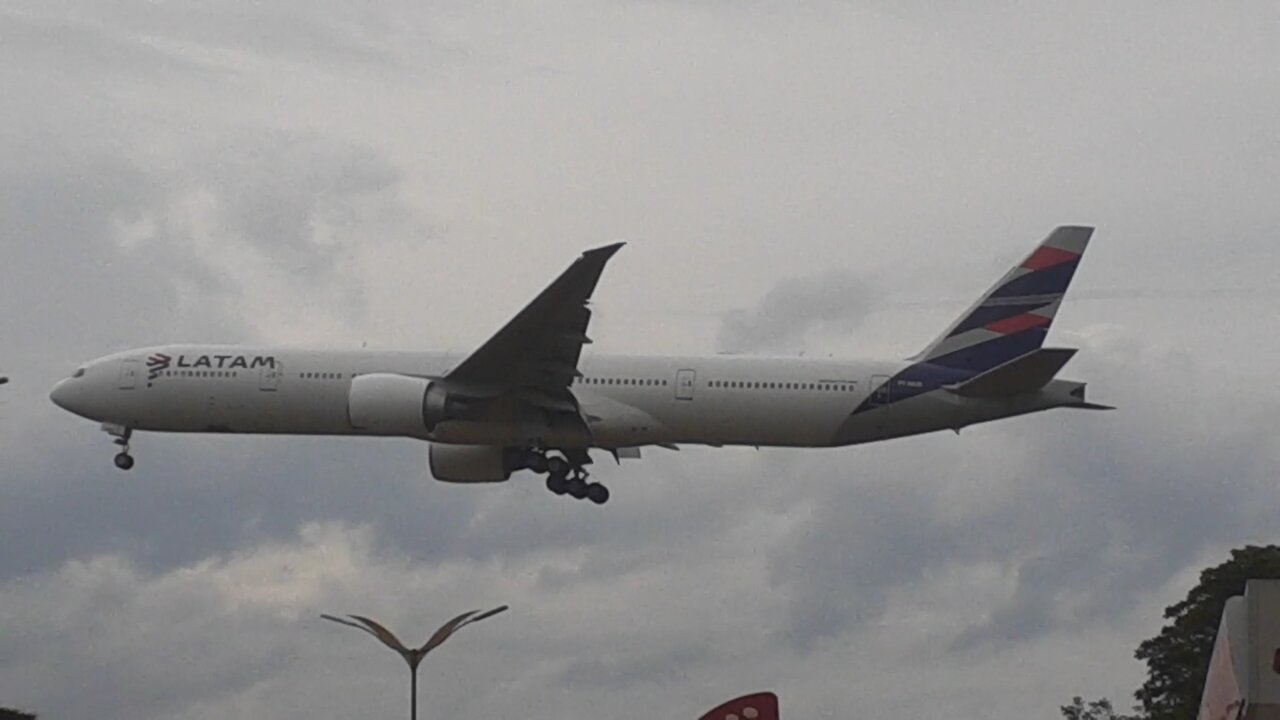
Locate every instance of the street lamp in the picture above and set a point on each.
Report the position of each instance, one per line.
(413, 656)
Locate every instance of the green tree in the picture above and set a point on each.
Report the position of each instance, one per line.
(1178, 658)
(1093, 710)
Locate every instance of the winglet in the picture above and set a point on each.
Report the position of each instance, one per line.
(604, 252)
(540, 346)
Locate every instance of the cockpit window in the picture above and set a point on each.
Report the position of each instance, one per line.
(79, 373)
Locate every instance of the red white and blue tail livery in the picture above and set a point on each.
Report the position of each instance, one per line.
(1013, 317)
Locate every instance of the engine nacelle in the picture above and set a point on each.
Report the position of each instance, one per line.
(388, 404)
(471, 463)
(391, 404)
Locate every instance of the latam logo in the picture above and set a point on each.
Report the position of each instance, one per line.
(159, 362)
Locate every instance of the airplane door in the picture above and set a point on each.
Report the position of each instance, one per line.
(128, 375)
(880, 390)
(271, 375)
(684, 384)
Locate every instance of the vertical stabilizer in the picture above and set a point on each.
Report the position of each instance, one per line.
(1013, 317)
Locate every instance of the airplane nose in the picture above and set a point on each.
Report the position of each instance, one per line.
(61, 394)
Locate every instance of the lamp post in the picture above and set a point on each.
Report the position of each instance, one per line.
(413, 656)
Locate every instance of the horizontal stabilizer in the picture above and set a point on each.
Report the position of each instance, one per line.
(1022, 374)
(1093, 406)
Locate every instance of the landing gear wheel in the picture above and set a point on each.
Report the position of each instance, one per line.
(123, 460)
(558, 466)
(558, 484)
(597, 493)
(577, 488)
(537, 462)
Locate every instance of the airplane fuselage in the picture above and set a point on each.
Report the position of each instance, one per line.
(627, 401)
(529, 398)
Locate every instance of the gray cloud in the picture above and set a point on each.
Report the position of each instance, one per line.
(835, 302)
(1084, 511)
(178, 171)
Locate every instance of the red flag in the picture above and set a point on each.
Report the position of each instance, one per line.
(760, 706)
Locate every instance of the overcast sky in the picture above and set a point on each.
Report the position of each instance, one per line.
(820, 178)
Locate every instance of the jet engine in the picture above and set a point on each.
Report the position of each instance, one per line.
(472, 463)
(390, 404)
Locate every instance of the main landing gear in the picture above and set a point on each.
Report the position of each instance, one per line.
(123, 459)
(565, 478)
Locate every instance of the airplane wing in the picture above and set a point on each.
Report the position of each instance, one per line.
(537, 351)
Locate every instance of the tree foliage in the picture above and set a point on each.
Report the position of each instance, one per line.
(1093, 710)
(1178, 658)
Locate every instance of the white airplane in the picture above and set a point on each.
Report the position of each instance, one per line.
(529, 399)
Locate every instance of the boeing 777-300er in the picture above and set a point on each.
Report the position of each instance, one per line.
(529, 399)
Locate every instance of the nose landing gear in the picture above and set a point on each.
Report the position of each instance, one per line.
(564, 478)
(123, 459)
